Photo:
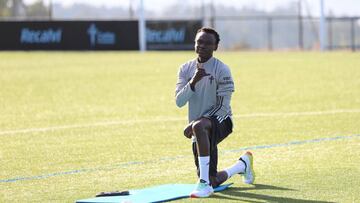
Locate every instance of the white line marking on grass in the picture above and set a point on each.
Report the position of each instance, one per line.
(291, 114)
(168, 159)
(171, 119)
(89, 125)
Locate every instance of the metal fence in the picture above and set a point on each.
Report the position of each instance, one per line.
(265, 31)
(344, 33)
(285, 32)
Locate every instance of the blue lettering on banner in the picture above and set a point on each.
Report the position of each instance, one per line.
(99, 37)
(48, 36)
(165, 36)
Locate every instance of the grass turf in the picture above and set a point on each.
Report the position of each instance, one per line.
(76, 123)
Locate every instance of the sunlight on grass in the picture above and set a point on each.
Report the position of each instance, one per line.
(133, 94)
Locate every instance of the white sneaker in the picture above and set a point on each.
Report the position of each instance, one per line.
(249, 174)
(203, 189)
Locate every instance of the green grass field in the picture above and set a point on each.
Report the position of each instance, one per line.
(76, 123)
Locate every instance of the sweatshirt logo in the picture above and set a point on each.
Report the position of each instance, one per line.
(211, 78)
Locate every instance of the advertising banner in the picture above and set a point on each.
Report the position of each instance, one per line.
(171, 35)
(69, 35)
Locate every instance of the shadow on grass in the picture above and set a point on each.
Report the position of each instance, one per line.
(240, 193)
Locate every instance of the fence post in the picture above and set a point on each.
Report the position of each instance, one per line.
(301, 33)
(322, 26)
(50, 8)
(142, 27)
(202, 11)
(269, 28)
(352, 31)
(212, 17)
(330, 39)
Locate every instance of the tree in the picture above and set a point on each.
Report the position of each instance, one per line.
(37, 9)
(5, 6)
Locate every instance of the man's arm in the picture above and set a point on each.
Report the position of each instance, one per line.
(224, 92)
(183, 90)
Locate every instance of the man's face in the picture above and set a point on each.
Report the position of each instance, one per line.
(205, 44)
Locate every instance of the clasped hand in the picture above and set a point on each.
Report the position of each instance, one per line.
(199, 74)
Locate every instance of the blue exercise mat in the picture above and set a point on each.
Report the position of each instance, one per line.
(159, 193)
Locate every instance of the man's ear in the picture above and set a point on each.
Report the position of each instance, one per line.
(216, 47)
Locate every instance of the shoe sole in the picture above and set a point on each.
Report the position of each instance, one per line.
(194, 196)
(251, 168)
